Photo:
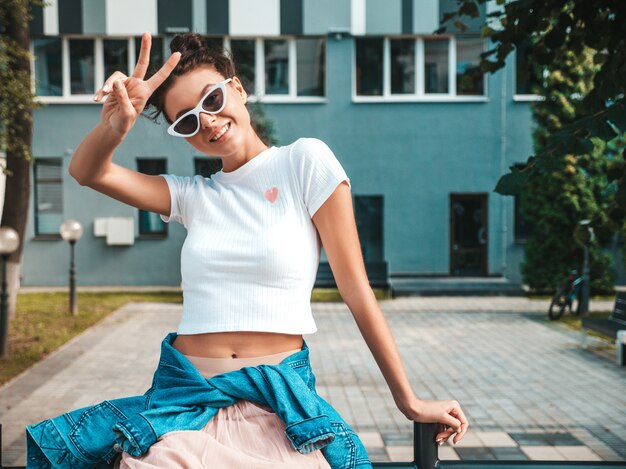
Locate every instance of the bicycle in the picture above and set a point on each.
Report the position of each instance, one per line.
(566, 296)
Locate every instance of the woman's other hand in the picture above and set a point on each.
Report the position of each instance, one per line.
(448, 413)
(127, 96)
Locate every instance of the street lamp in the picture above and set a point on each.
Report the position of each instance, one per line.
(72, 230)
(586, 238)
(9, 241)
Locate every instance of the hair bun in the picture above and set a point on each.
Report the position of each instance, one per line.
(188, 42)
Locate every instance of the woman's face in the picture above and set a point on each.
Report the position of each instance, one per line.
(234, 119)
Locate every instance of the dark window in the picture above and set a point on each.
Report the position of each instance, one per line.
(149, 222)
(82, 60)
(469, 77)
(47, 174)
(156, 53)
(311, 66)
(525, 78)
(436, 65)
(368, 213)
(207, 166)
(244, 57)
(402, 66)
(369, 66)
(115, 56)
(48, 66)
(276, 66)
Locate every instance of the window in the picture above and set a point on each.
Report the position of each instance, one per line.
(48, 195)
(82, 61)
(276, 67)
(419, 67)
(149, 222)
(311, 66)
(243, 55)
(48, 66)
(402, 66)
(469, 78)
(281, 67)
(525, 78)
(369, 66)
(436, 53)
(368, 212)
(69, 67)
(115, 56)
(206, 167)
(156, 53)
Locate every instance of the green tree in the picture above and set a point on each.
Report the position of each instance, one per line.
(16, 107)
(552, 26)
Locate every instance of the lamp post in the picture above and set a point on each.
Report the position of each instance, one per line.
(587, 238)
(72, 230)
(9, 241)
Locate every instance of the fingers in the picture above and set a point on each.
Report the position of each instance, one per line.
(144, 56)
(159, 77)
(122, 96)
(108, 85)
(454, 422)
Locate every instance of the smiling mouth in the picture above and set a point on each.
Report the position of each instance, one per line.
(220, 133)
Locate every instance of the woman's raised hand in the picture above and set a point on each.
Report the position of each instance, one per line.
(127, 96)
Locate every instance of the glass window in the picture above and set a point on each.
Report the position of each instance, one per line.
(402, 66)
(156, 53)
(82, 66)
(206, 167)
(436, 65)
(526, 80)
(311, 65)
(150, 222)
(48, 195)
(115, 56)
(48, 66)
(469, 78)
(276, 66)
(243, 55)
(369, 66)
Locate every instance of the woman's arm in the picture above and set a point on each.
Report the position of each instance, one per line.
(335, 222)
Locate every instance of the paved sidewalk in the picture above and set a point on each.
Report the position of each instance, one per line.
(527, 388)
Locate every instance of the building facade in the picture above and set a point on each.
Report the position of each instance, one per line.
(422, 134)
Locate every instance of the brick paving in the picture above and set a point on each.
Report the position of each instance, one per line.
(527, 388)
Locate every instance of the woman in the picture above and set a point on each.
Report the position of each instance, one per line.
(249, 260)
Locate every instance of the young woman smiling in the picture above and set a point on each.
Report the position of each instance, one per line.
(250, 257)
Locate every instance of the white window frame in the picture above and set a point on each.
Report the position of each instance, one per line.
(259, 68)
(419, 95)
(67, 97)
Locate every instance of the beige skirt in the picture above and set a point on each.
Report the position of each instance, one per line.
(241, 436)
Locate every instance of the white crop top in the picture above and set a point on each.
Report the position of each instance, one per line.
(251, 254)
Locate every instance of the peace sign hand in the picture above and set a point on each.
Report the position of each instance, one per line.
(127, 96)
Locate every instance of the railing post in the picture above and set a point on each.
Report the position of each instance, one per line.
(424, 445)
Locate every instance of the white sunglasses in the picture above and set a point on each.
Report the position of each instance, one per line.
(212, 102)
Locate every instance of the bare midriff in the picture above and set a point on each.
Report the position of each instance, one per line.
(239, 344)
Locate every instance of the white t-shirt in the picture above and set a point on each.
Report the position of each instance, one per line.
(251, 254)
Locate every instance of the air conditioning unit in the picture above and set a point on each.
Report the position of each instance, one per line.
(119, 231)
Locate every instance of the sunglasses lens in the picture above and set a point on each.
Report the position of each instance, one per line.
(214, 101)
(187, 126)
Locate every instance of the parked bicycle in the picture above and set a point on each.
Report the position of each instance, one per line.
(567, 296)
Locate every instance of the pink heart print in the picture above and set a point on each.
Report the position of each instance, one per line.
(271, 194)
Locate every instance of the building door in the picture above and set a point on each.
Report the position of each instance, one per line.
(468, 235)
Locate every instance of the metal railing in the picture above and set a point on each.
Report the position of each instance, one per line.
(425, 456)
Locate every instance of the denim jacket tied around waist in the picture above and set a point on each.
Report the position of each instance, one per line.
(180, 398)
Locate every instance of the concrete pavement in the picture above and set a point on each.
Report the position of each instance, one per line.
(527, 388)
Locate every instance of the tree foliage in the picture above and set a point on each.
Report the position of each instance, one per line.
(553, 26)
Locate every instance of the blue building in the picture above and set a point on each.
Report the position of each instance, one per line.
(422, 134)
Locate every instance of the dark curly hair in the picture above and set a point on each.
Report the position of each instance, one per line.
(195, 52)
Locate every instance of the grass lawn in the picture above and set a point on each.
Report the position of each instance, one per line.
(42, 321)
